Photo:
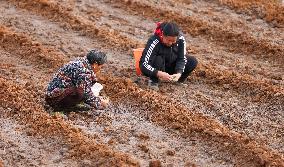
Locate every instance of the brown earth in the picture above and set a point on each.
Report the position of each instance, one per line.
(230, 114)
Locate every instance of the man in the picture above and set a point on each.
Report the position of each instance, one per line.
(164, 57)
(72, 83)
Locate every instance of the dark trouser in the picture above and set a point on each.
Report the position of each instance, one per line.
(189, 67)
(69, 98)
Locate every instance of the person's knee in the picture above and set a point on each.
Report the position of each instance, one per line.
(79, 94)
(192, 62)
(50, 101)
(79, 91)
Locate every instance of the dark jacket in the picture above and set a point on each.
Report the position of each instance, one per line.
(173, 56)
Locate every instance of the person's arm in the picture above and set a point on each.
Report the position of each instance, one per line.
(148, 56)
(181, 59)
(84, 82)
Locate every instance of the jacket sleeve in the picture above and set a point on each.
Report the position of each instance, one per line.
(84, 82)
(181, 59)
(148, 56)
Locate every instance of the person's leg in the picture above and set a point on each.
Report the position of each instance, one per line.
(159, 65)
(72, 96)
(189, 67)
(171, 69)
(153, 82)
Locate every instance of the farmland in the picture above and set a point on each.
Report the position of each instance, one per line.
(230, 114)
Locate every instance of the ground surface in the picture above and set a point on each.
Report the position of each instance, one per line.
(230, 114)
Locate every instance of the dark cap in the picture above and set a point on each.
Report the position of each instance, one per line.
(95, 56)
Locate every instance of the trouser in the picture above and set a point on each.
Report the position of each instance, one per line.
(69, 98)
(160, 65)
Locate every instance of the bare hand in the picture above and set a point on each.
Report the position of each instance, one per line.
(175, 77)
(104, 101)
(164, 76)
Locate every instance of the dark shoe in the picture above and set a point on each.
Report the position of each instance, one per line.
(78, 107)
(153, 85)
(178, 83)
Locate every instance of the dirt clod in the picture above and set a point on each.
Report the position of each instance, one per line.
(170, 152)
(155, 163)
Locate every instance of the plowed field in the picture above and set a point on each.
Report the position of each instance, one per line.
(230, 114)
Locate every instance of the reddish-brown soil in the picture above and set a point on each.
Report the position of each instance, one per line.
(230, 114)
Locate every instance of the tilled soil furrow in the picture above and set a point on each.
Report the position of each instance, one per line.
(121, 21)
(27, 110)
(28, 49)
(212, 73)
(110, 83)
(242, 65)
(104, 16)
(123, 128)
(240, 86)
(256, 91)
(134, 42)
(61, 14)
(69, 43)
(53, 35)
(21, 149)
(38, 88)
(277, 89)
(22, 102)
(257, 115)
(271, 11)
(240, 83)
(244, 149)
(225, 36)
(260, 120)
(171, 114)
(213, 12)
(22, 71)
(88, 9)
(145, 162)
(259, 91)
(118, 19)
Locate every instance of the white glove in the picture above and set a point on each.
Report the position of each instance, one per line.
(175, 77)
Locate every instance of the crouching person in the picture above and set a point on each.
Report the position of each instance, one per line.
(72, 83)
(165, 58)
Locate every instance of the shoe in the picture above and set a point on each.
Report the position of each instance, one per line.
(153, 85)
(181, 84)
(83, 107)
(78, 107)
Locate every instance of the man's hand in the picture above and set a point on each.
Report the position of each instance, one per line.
(104, 102)
(175, 77)
(164, 76)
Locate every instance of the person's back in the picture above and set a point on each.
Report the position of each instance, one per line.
(70, 75)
